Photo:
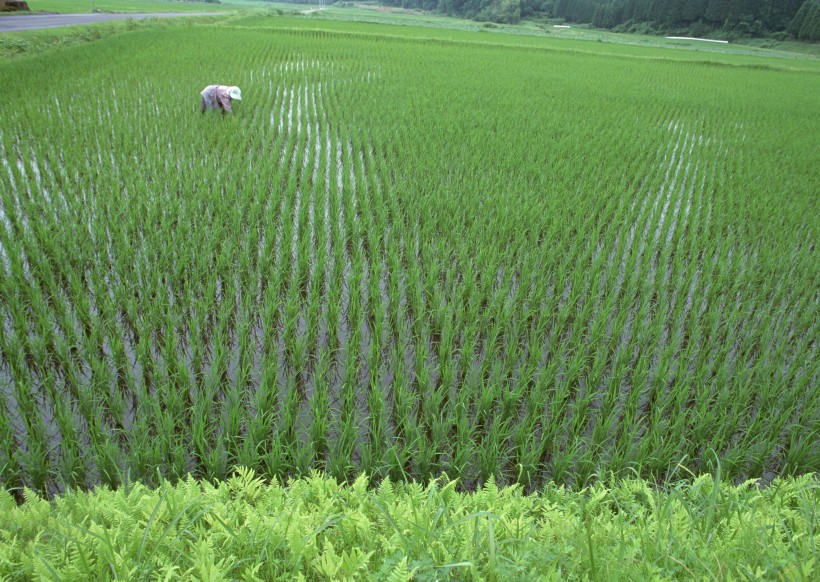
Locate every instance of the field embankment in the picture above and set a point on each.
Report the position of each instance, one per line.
(38, 21)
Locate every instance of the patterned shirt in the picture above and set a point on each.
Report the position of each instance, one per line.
(214, 96)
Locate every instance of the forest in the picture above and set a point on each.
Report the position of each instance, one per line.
(782, 19)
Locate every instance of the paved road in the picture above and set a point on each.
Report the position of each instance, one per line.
(29, 22)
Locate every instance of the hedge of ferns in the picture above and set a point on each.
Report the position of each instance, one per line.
(315, 529)
(403, 258)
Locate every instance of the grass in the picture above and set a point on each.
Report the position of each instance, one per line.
(14, 45)
(126, 6)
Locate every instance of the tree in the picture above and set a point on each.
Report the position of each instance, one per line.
(806, 23)
(779, 13)
(717, 12)
(742, 17)
(537, 8)
(810, 31)
(604, 16)
(509, 11)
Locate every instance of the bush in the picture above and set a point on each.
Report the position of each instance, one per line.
(503, 12)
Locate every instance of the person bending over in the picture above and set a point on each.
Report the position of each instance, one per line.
(219, 97)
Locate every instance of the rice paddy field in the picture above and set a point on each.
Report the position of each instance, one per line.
(405, 255)
(432, 304)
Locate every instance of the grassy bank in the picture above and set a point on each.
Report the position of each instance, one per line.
(124, 6)
(14, 45)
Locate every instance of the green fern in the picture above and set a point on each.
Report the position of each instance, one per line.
(316, 528)
(401, 573)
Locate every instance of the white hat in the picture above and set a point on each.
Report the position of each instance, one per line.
(235, 92)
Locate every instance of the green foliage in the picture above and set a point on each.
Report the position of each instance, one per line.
(806, 23)
(739, 18)
(316, 529)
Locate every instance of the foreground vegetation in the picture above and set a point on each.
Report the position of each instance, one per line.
(315, 529)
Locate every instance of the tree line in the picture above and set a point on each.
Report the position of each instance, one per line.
(799, 19)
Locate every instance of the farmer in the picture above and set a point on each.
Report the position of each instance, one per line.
(219, 97)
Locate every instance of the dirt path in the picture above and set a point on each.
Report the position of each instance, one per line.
(312, 10)
(30, 22)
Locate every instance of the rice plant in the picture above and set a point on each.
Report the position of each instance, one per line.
(498, 261)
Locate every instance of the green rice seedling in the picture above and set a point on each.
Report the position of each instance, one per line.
(72, 468)
(320, 410)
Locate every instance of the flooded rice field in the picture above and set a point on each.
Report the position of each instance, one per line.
(346, 275)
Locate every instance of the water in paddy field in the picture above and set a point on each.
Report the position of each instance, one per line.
(134, 349)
